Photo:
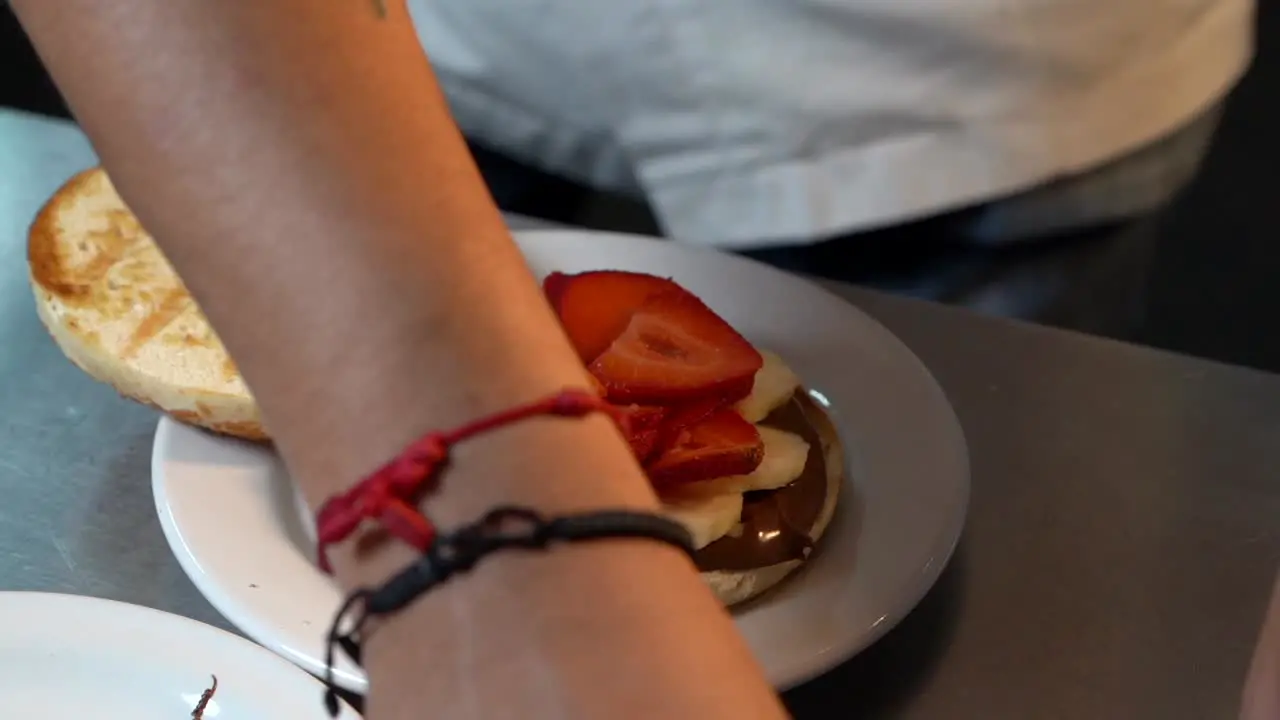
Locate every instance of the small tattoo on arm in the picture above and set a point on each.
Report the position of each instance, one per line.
(380, 7)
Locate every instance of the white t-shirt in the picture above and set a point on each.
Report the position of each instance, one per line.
(787, 120)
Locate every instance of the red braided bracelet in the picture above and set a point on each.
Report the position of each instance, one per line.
(389, 496)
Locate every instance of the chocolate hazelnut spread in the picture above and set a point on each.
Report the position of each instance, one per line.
(777, 524)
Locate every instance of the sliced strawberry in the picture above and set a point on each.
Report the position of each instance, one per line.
(721, 445)
(642, 429)
(553, 287)
(645, 417)
(597, 386)
(645, 430)
(595, 307)
(679, 418)
(676, 349)
(644, 443)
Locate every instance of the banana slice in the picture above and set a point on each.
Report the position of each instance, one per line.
(785, 455)
(775, 383)
(707, 517)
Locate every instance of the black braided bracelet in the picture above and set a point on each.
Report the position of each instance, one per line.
(457, 552)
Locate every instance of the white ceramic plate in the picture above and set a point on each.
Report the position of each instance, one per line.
(228, 510)
(68, 657)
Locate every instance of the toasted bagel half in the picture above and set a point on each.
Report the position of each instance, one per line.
(117, 309)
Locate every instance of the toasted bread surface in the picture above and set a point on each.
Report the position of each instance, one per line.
(116, 308)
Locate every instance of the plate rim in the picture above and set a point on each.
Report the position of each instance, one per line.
(344, 675)
(945, 542)
(19, 604)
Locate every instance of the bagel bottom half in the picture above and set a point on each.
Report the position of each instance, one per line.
(824, 474)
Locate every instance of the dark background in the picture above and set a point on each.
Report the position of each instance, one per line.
(1214, 286)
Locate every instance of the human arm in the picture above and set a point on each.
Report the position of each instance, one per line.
(1262, 689)
(296, 162)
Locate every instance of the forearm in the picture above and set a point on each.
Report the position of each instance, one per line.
(296, 162)
(1262, 689)
(299, 170)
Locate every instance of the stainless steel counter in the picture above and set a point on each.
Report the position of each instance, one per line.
(1124, 530)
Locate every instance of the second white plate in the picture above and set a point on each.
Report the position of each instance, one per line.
(68, 657)
(227, 508)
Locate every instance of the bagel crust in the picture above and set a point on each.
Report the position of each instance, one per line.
(736, 587)
(116, 308)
